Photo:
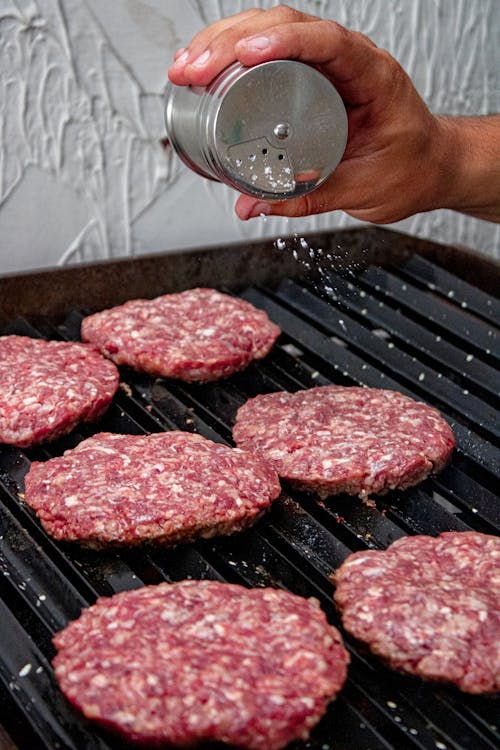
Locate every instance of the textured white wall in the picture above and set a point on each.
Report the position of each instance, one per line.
(82, 174)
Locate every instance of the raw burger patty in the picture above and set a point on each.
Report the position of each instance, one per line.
(47, 387)
(333, 439)
(197, 335)
(197, 661)
(166, 488)
(429, 606)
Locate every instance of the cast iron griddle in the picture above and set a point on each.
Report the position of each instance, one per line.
(410, 325)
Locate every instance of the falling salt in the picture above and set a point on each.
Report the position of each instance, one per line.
(440, 745)
(391, 704)
(304, 244)
(280, 244)
(25, 670)
(421, 376)
(469, 358)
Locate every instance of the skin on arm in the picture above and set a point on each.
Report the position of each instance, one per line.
(471, 147)
(400, 159)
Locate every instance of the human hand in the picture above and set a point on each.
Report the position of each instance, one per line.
(393, 163)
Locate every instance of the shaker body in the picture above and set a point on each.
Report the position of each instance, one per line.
(275, 131)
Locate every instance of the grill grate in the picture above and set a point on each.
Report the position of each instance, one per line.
(413, 327)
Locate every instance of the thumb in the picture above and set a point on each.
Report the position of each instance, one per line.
(248, 207)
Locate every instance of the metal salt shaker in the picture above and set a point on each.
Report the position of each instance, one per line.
(275, 131)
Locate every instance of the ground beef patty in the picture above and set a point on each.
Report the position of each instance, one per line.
(47, 387)
(333, 439)
(429, 606)
(197, 661)
(197, 335)
(166, 488)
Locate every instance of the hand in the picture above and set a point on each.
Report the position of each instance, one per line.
(384, 174)
(400, 159)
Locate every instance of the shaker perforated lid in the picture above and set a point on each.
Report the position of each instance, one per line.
(276, 130)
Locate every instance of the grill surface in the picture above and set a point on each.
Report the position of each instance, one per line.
(412, 327)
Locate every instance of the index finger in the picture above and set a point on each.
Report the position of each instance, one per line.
(202, 40)
(213, 49)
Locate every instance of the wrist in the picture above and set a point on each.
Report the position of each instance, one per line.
(467, 158)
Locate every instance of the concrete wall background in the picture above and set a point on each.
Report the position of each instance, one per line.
(82, 173)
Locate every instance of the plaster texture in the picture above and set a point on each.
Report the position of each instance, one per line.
(83, 175)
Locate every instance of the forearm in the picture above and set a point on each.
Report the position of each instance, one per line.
(469, 165)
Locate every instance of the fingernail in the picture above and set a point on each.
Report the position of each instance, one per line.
(179, 52)
(255, 43)
(202, 59)
(182, 58)
(258, 209)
